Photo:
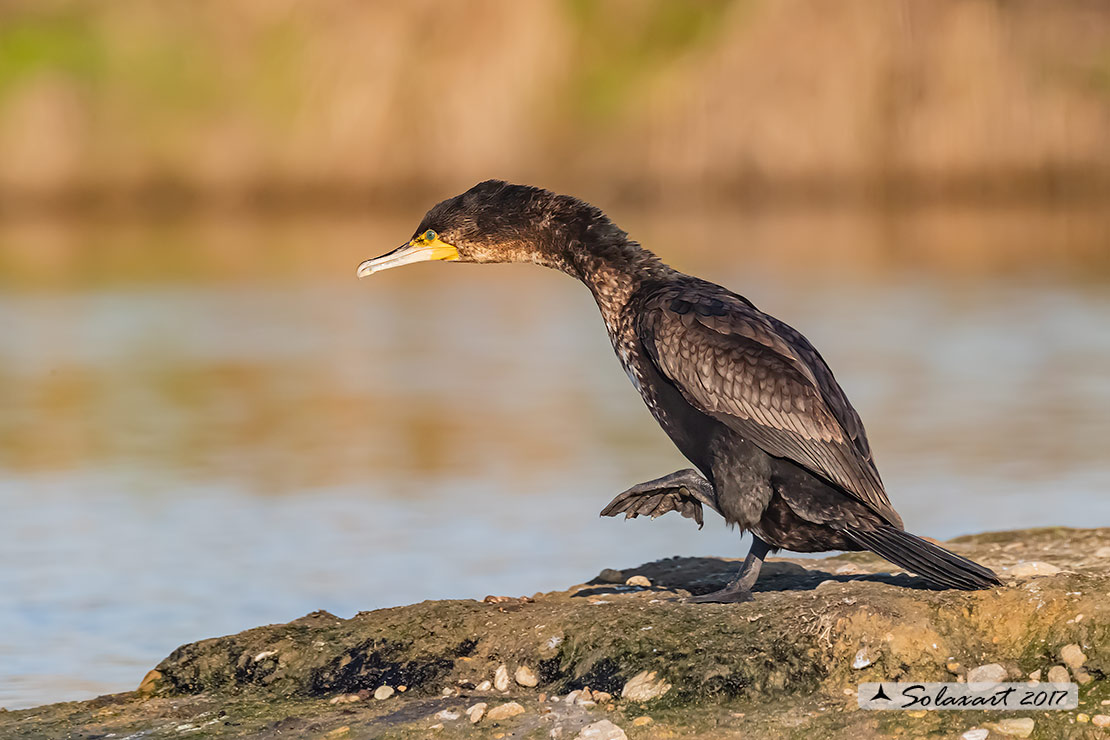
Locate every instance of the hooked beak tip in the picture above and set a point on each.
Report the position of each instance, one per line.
(407, 254)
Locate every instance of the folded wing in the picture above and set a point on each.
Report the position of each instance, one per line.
(764, 380)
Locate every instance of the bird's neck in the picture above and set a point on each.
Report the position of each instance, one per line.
(588, 246)
(614, 272)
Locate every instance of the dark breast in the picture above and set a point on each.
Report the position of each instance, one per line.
(691, 430)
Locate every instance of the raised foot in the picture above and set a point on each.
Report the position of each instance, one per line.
(684, 492)
(724, 596)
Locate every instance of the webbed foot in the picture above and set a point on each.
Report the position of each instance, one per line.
(684, 492)
(725, 596)
(740, 588)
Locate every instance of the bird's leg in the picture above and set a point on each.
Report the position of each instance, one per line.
(684, 492)
(740, 589)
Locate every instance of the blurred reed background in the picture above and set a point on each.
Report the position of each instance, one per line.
(206, 424)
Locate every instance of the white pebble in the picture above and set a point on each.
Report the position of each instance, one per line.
(1019, 727)
(1073, 656)
(985, 675)
(525, 676)
(975, 733)
(476, 712)
(603, 730)
(1058, 674)
(1032, 568)
(501, 678)
(644, 686)
(383, 692)
(447, 715)
(641, 581)
(504, 711)
(862, 659)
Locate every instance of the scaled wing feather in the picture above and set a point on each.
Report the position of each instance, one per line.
(762, 379)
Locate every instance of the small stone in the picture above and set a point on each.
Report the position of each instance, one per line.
(603, 730)
(447, 691)
(986, 674)
(1082, 718)
(601, 697)
(436, 726)
(975, 733)
(953, 667)
(862, 659)
(610, 575)
(447, 715)
(504, 711)
(402, 688)
(1073, 656)
(581, 697)
(1105, 702)
(476, 712)
(1035, 676)
(641, 581)
(644, 686)
(1101, 720)
(501, 678)
(484, 686)
(1017, 727)
(1032, 568)
(642, 721)
(525, 676)
(383, 692)
(345, 699)
(1058, 674)
(916, 713)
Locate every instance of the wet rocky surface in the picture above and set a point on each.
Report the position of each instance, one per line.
(608, 659)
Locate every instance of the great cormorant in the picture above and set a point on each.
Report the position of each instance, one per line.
(779, 450)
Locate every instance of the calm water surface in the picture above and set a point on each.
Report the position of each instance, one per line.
(216, 436)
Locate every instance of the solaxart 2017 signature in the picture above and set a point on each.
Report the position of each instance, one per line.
(1000, 696)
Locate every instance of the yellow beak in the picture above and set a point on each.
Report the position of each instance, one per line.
(417, 250)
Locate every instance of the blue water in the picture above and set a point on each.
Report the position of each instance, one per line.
(184, 460)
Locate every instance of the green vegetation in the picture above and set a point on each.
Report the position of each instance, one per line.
(621, 48)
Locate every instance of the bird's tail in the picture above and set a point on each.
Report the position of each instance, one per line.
(943, 569)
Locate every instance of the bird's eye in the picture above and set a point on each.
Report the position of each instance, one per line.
(430, 236)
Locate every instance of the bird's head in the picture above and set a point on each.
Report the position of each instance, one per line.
(494, 221)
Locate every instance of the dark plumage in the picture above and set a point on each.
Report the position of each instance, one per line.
(778, 448)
